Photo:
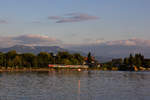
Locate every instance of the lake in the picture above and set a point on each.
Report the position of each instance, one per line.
(74, 85)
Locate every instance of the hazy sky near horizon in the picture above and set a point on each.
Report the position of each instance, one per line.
(76, 21)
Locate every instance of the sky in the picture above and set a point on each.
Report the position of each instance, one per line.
(74, 22)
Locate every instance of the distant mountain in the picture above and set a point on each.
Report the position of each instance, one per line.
(54, 49)
(103, 59)
(112, 51)
(33, 49)
(102, 53)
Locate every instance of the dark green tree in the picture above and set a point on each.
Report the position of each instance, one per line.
(126, 61)
(17, 61)
(1, 59)
(29, 60)
(44, 59)
(131, 60)
(78, 59)
(9, 58)
(89, 58)
(63, 57)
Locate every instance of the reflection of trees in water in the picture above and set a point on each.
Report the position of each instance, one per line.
(67, 72)
(89, 90)
(74, 85)
(84, 83)
(136, 83)
(85, 89)
(138, 76)
(78, 90)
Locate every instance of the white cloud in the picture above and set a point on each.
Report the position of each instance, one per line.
(7, 42)
(101, 41)
(43, 40)
(88, 41)
(32, 40)
(73, 17)
(130, 42)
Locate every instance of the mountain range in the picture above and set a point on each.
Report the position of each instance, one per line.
(33, 49)
(102, 53)
(114, 51)
(54, 49)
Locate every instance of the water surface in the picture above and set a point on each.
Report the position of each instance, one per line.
(74, 85)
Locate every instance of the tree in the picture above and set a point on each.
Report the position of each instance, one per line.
(66, 62)
(29, 60)
(131, 60)
(44, 59)
(126, 61)
(138, 62)
(11, 54)
(89, 58)
(61, 56)
(9, 58)
(12, 59)
(1, 59)
(17, 61)
(78, 59)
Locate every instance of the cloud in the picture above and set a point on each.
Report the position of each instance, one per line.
(3, 21)
(30, 40)
(130, 42)
(54, 17)
(88, 41)
(73, 17)
(101, 41)
(43, 40)
(7, 42)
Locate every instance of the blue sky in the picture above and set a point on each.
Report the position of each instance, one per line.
(81, 21)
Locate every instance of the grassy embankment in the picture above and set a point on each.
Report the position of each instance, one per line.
(10, 69)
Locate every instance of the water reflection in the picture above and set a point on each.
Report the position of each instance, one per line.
(78, 89)
(75, 85)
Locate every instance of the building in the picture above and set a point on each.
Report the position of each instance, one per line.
(67, 66)
(92, 63)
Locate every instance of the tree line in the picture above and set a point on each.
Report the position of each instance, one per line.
(43, 59)
(128, 63)
(138, 60)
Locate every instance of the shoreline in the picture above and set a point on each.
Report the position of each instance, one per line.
(39, 69)
(53, 69)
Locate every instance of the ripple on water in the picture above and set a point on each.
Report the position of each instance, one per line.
(74, 85)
